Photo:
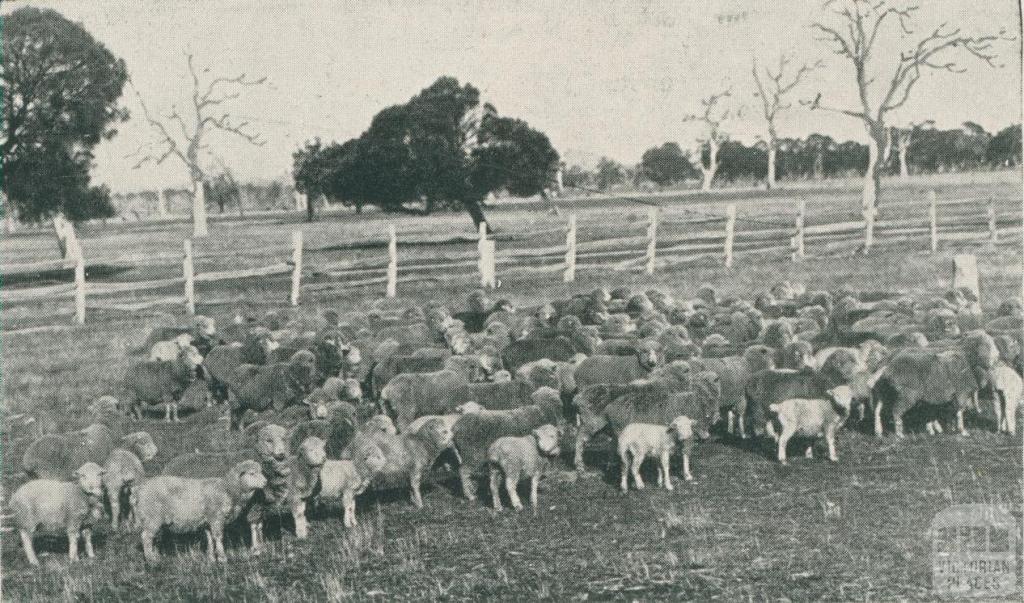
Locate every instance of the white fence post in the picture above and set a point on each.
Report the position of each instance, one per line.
(798, 238)
(993, 232)
(730, 232)
(488, 276)
(187, 267)
(392, 262)
(652, 238)
(933, 220)
(296, 266)
(80, 289)
(570, 251)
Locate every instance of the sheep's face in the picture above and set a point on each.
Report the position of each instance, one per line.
(381, 423)
(191, 357)
(501, 376)
(943, 323)
(317, 409)
(183, 341)
(568, 325)
(799, 354)
(842, 395)
(353, 391)
(468, 408)
(249, 476)
(206, 326)
(313, 451)
(682, 428)
(104, 405)
(981, 349)
(783, 291)
(90, 479)
(437, 431)
(547, 437)
(650, 354)
(546, 312)
(872, 354)
(371, 458)
(271, 442)
(459, 344)
(143, 445)
(352, 355)
(267, 343)
(601, 295)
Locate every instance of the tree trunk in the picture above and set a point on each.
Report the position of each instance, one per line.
(161, 203)
(199, 229)
(772, 152)
(67, 241)
(819, 165)
(310, 205)
(712, 167)
(904, 170)
(477, 213)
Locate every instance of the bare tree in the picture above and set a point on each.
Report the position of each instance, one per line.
(903, 138)
(860, 22)
(772, 89)
(713, 117)
(204, 115)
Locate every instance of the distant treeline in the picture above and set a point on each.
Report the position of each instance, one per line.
(223, 195)
(928, 150)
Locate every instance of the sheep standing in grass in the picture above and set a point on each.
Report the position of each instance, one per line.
(516, 457)
(1008, 393)
(123, 471)
(813, 418)
(346, 479)
(274, 386)
(56, 456)
(162, 381)
(69, 505)
(185, 504)
(639, 441)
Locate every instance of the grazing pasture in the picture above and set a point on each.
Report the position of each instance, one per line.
(745, 529)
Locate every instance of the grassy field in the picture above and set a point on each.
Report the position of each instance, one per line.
(746, 529)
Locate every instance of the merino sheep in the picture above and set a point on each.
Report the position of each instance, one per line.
(275, 385)
(185, 504)
(522, 351)
(388, 368)
(813, 418)
(162, 381)
(56, 456)
(346, 479)
(412, 395)
(475, 432)
(408, 455)
(221, 361)
(72, 506)
(123, 471)
(619, 369)
(733, 373)
(549, 373)
(516, 457)
(639, 441)
(1008, 394)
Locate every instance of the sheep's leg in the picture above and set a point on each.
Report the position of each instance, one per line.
(997, 406)
(938, 426)
(686, 468)
(930, 427)
(534, 483)
(862, 408)
(878, 418)
(783, 442)
(730, 422)
(299, 515)
(211, 552)
(30, 551)
(414, 483)
(960, 422)
(830, 439)
(512, 484)
(663, 470)
(167, 412)
(217, 530)
(256, 533)
(87, 537)
(741, 424)
(495, 490)
(176, 419)
(809, 453)
(147, 546)
(466, 478)
(114, 494)
(348, 503)
(73, 535)
(624, 480)
(637, 461)
(769, 427)
(581, 442)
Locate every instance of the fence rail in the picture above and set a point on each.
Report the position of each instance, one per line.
(660, 239)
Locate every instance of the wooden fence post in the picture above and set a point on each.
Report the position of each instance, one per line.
(392, 262)
(933, 220)
(188, 268)
(79, 287)
(296, 265)
(570, 251)
(730, 232)
(798, 238)
(488, 276)
(993, 232)
(652, 238)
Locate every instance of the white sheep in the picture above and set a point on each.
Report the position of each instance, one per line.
(123, 471)
(169, 350)
(69, 505)
(638, 441)
(517, 457)
(813, 418)
(185, 504)
(346, 479)
(1008, 392)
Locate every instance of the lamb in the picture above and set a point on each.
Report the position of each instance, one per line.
(346, 479)
(476, 431)
(69, 505)
(813, 417)
(1008, 393)
(185, 504)
(275, 385)
(55, 456)
(639, 441)
(408, 455)
(123, 471)
(162, 381)
(516, 457)
(169, 350)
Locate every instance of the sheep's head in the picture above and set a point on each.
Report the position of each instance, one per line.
(759, 357)
(650, 353)
(272, 442)
(942, 323)
(504, 305)
(190, 357)
(981, 351)
(488, 360)
(317, 408)
(313, 451)
(459, 342)
(353, 391)
(302, 367)
(841, 366)
(90, 479)
(468, 408)
(777, 334)
(547, 437)
(380, 423)
(798, 355)
(369, 459)
(104, 405)
(499, 331)
(142, 444)
(545, 312)
(600, 295)
(842, 396)
(639, 304)
(436, 430)
(205, 325)
(872, 354)
(183, 341)
(677, 375)
(546, 396)
(501, 376)
(681, 428)
(567, 325)
(245, 478)
(783, 291)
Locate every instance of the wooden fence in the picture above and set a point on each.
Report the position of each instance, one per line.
(669, 236)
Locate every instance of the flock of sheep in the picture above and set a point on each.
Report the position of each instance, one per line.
(326, 408)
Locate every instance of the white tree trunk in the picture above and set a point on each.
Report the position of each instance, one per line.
(161, 203)
(67, 241)
(772, 152)
(199, 229)
(712, 167)
(904, 169)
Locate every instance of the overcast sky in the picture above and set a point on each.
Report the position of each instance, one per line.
(599, 77)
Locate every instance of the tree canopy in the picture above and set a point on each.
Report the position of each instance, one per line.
(440, 149)
(60, 89)
(666, 165)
